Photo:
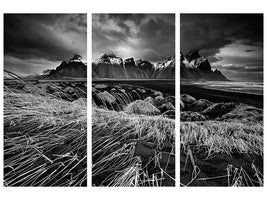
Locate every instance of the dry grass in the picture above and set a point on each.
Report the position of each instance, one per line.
(141, 107)
(44, 139)
(223, 137)
(115, 138)
(218, 141)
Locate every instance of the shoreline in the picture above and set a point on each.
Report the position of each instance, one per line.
(217, 96)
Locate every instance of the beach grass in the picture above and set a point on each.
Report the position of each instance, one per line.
(119, 156)
(45, 138)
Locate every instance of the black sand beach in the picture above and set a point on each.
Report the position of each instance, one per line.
(166, 86)
(222, 96)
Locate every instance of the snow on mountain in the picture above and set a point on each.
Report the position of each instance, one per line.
(194, 66)
(110, 66)
(109, 59)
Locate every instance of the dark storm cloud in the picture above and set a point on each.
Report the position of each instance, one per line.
(231, 42)
(214, 31)
(49, 38)
(145, 36)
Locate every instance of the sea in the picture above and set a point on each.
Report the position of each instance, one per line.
(233, 86)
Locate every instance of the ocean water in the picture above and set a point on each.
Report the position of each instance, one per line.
(232, 86)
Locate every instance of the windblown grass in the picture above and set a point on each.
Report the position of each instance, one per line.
(117, 158)
(210, 145)
(223, 137)
(111, 100)
(44, 138)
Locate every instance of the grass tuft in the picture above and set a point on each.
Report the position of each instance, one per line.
(126, 148)
(44, 138)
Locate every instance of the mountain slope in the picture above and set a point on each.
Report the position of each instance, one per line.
(112, 67)
(196, 67)
(72, 68)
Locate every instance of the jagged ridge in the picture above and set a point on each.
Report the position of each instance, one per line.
(196, 67)
(72, 68)
(113, 67)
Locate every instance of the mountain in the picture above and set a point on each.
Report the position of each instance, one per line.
(113, 67)
(75, 67)
(196, 67)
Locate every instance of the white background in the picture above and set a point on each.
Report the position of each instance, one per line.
(124, 6)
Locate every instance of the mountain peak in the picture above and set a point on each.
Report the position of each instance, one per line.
(75, 67)
(109, 59)
(192, 55)
(194, 66)
(110, 66)
(169, 62)
(76, 58)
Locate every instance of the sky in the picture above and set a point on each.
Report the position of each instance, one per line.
(233, 43)
(35, 42)
(140, 36)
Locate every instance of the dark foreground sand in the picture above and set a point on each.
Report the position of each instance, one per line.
(222, 96)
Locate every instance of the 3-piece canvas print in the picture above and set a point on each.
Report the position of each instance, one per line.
(134, 127)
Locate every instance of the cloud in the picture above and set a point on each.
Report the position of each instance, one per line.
(51, 37)
(142, 36)
(24, 67)
(242, 72)
(197, 36)
(231, 42)
(214, 31)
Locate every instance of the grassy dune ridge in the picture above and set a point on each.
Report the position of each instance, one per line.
(133, 140)
(119, 151)
(44, 138)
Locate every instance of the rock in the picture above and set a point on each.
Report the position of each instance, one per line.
(141, 107)
(169, 114)
(158, 93)
(143, 91)
(166, 106)
(100, 86)
(159, 99)
(219, 109)
(187, 99)
(243, 112)
(192, 116)
(106, 97)
(170, 99)
(200, 105)
(69, 90)
(149, 99)
(80, 102)
(118, 87)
